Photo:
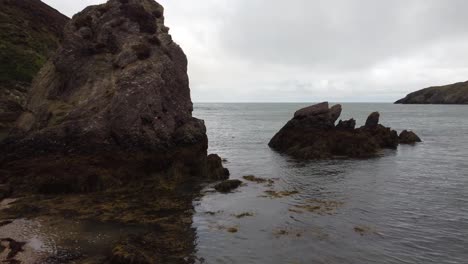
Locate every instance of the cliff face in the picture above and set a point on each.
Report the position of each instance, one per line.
(30, 31)
(450, 94)
(112, 103)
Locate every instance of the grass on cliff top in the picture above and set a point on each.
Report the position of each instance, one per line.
(24, 45)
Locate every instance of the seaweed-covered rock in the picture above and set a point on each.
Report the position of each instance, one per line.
(408, 137)
(112, 106)
(227, 185)
(313, 135)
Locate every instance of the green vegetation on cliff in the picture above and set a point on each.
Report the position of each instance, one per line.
(29, 32)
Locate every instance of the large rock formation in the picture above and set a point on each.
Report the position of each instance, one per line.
(112, 105)
(30, 31)
(108, 136)
(449, 94)
(312, 134)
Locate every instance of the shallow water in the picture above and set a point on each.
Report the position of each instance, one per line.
(407, 206)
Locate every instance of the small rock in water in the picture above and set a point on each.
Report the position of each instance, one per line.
(408, 137)
(227, 186)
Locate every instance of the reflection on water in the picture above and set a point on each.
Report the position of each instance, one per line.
(56, 241)
(407, 206)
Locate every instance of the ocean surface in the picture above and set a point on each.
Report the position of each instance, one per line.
(407, 206)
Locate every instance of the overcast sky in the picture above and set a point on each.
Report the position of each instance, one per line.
(315, 50)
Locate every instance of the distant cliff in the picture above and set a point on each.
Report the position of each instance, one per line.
(30, 31)
(449, 94)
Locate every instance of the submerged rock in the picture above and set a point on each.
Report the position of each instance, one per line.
(113, 105)
(408, 137)
(312, 134)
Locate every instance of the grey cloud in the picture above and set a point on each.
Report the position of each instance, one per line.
(339, 33)
(314, 50)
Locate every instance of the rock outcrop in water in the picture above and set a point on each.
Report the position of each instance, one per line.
(312, 134)
(449, 94)
(30, 31)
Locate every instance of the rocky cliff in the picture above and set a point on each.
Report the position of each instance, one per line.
(449, 94)
(112, 103)
(312, 134)
(30, 31)
(107, 136)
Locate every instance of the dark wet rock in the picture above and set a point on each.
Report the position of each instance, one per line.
(456, 93)
(227, 186)
(5, 191)
(6, 222)
(347, 124)
(215, 168)
(408, 137)
(373, 120)
(313, 135)
(335, 112)
(30, 32)
(111, 107)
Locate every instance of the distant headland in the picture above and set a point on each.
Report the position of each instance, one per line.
(456, 93)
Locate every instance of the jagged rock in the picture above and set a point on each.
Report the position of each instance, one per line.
(335, 112)
(408, 137)
(456, 93)
(30, 32)
(111, 106)
(373, 120)
(312, 110)
(314, 135)
(347, 124)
